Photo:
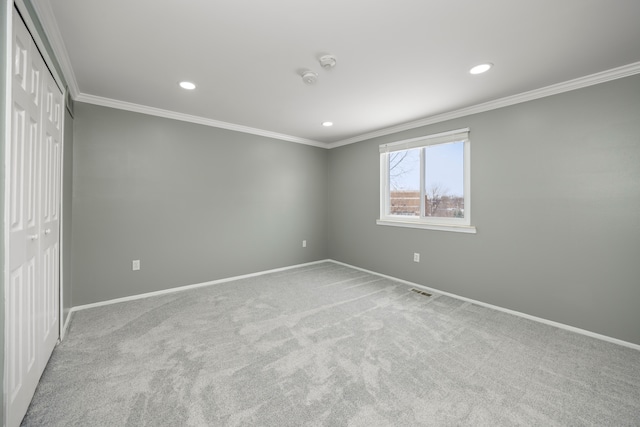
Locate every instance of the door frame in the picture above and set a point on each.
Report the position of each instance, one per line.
(8, 98)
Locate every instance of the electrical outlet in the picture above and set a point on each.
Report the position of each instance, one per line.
(304, 243)
(416, 257)
(135, 265)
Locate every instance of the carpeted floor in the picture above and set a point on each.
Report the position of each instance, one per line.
(327, 345)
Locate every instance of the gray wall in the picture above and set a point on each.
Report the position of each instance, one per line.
(67, 188)
(556, 201)
(193, 203)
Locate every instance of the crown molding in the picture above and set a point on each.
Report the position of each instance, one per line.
(579, 83)
(47, 19)
(137, 108)
(50, 25)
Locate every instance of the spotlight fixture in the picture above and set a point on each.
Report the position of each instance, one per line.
(482, 68)
(309, 77)
(327, 124)
(327, 61)
(187, 85)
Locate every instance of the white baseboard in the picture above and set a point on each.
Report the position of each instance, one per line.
(65, 327)
(433, 290)
(504, 310)
(187, 287)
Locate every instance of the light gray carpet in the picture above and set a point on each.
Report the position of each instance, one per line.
(327, 345)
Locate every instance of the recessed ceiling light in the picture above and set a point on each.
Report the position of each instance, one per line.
(187, 85)
(327, 124)
(482, 68)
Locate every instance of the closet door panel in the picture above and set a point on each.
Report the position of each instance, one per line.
(51, 151)
(23, 199)
(33, 198)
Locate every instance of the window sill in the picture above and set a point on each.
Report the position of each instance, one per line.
(439, 227)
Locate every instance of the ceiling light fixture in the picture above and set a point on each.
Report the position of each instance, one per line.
(309, 77)
(327, 61)
(187, 85)
(327, 124)
(482, 68)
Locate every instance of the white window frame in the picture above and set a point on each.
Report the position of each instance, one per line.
(461, 225)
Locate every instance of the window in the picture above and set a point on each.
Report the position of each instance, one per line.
(425, 182)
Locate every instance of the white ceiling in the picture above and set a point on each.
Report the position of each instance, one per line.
(398, 61)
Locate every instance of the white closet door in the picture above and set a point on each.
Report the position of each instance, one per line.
(32, 291)
(50, 161)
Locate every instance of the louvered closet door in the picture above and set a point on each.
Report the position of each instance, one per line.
(32, 294)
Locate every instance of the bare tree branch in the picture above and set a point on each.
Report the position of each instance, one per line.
(434, 196)
(395, 159)
(397, 167)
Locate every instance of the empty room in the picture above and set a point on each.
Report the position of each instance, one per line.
(297, 213)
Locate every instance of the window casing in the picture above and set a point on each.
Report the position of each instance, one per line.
(425, 182)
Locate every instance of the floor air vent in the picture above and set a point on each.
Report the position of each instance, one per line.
(418, 291)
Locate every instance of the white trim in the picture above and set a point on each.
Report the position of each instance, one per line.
(65, 327)
(504, 310)
(138, 108)
(406, 282)
(61, 320)
(188, 287)
(469, 229)
(7, 27)
(47, 19)
(579, 83)
(50, 25)
(423, 141)
(462, 225)
(384, 187)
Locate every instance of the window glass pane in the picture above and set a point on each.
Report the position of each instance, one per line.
(444, 180)
(404, 182)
